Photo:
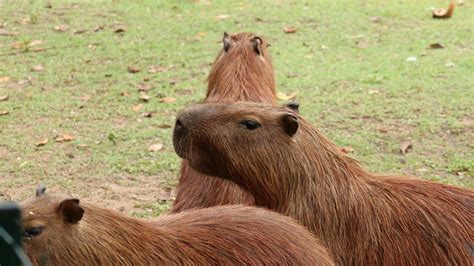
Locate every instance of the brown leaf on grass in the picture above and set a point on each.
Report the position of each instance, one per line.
(155, 147)
(125, 93)
(405, 146)
(375, 19)
(222, 17)
(64, 138)
(148, 114)
(3, 97)
(4, 79)
(164, 126)
(4, 113)
(383, 130)
(137, 108)
(120, 29)
(98, 28)
(347, 149)
(79, 31)
(85, 97)
(167, 100)
(35, 43)
(61, 28)
(133, 69)
(289, 29)
(4, 32)
(156, 69)
(284, 97)
(374, 92)
(37, 68)
(436, 46)
(41, 142)
(444, 13)
(144, 97)
(144, 87)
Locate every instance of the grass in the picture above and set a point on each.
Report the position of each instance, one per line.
(351, 74)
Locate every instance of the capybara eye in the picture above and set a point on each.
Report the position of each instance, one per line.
(250, 124)
(33, 231)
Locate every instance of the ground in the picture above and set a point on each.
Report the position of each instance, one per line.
(362, 70)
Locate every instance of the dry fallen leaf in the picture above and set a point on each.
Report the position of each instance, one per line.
(79, 31)
(37, 68)
(156, 69)
(284, 97)
(148, 114)
(145, 97)
(137, 107)
(164, 126)
(120, 29)
(61, 28)
(444, 13)
(3, 98)
(383, 130)
(35, 43)
(64, 138)
(167, 100)
(347, 149)
(4, 79)
(155, 147)
(4, 32)
(98, 28)
(41, 142)
(124, 93)
(4, 113)
(374, 92)
(222, 17)
(375, 19)
(85, 97)
(289, 29)
(133, 69)
(436, 46)
(405, 146)
(144, 87)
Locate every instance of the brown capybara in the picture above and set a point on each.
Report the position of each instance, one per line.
(242, 70)
(290, 167)
(61, 231)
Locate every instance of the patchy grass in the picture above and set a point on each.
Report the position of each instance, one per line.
(349, 69)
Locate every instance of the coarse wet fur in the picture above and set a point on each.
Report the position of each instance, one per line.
(290, 167)
(242, 70)
(63, 231)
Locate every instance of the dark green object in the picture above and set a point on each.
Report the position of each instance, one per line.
(11, 253)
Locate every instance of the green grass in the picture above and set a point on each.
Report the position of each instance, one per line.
(351, 75)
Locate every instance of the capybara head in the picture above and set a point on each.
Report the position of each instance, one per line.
(242, 70)
(49, 221)
(218, 139)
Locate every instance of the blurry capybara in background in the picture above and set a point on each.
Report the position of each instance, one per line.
(242, 70)
(290, 167)
(62, 231)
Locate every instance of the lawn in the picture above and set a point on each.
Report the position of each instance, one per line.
(362, 70)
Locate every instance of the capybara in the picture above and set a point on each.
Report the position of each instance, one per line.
(290, 167)
(242, 70)
(63, 231)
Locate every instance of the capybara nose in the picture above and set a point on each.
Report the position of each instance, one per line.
(179, 127)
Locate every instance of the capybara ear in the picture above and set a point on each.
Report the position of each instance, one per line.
(40, 190)
(295, 106)
(290, 123)
(71, 211)
(257, 44)
(226, 40)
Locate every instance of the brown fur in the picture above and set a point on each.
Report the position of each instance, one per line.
(213, 236)
(290, 167)
(240, 73)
